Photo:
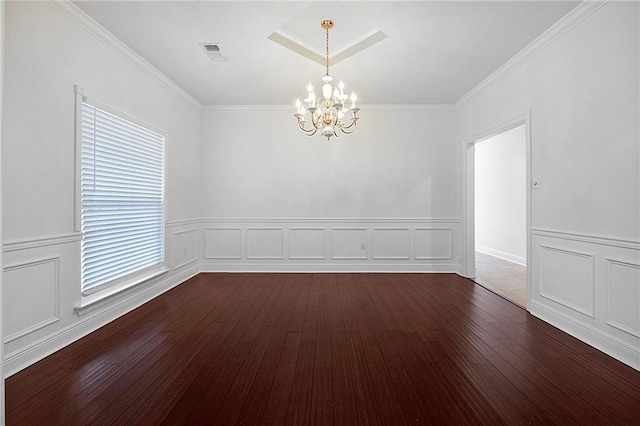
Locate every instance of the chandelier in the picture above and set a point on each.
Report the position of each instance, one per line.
(327, 113)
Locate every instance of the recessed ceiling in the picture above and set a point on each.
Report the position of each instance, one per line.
(367, 39)
(304, 35)
(434, 52)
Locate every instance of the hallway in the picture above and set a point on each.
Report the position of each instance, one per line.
(506, 279)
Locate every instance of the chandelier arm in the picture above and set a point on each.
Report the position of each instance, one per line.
(309, 132)
(345, 131)
(315, 120)
(353, 123)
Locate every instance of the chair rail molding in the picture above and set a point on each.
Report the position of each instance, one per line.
(31, 243)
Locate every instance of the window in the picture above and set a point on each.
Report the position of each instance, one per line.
(121, 199)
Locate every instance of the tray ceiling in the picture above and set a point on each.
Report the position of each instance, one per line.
(394, 52)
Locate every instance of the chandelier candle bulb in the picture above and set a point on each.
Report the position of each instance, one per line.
(328, 112)
(326, 91)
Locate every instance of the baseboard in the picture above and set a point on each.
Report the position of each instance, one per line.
(503, 255)
(38, 350)
(591, 336)
(338, 268)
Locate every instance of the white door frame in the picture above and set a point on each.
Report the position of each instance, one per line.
(2, 29)
(468, 192)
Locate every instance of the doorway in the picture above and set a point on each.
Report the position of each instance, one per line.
(497, 209)
(500, 186)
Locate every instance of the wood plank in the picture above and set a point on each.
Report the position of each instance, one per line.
(275, 412)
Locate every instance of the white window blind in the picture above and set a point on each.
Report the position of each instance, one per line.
(122, 197)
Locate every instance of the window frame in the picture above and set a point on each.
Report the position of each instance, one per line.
(98, 292)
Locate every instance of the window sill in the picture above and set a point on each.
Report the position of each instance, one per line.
(86, 302)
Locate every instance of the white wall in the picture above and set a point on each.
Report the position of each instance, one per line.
(49, 48)
(500, 195)
(583, 93)
(400, 162)
(392, 184)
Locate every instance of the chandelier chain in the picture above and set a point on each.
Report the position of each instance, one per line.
(327, 52)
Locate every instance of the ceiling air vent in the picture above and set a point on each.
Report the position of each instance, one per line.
(214, 52)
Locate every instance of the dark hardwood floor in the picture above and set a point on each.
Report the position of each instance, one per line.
(346, 349)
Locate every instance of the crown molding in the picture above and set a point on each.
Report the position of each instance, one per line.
(84, 21)
(421, 107)
(557, 30)
(248, 107)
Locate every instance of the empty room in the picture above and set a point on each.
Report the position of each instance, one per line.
(317, 212)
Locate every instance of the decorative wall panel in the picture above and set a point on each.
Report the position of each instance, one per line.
(31, 297)
(623, 294)
(185, 247)
(349, 243)
(222, 243)
(433, 244)
(265, 243)
(391, 244)
(567, 277)
(307, 243)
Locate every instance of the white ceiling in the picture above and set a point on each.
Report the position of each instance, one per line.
(434, 53)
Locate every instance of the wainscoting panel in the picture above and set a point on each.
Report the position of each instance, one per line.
(434, 243)
(265, 243)
(331, 244)
(623, 294)
(41, 283)
(185, 247)
(568, 277)
(589, 286)
(391, 243)
(34, 284)
(222, 243)
(307, 243)
(349, 243)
